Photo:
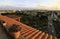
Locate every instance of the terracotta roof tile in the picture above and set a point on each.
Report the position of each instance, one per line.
(28, 32)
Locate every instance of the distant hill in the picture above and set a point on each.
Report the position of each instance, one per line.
(20, 8)
(14, 8)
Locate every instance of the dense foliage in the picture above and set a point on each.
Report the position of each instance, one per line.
(38, 21)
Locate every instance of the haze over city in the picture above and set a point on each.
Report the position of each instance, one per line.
(30, 4)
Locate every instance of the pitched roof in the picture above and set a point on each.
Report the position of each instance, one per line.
(27, 31)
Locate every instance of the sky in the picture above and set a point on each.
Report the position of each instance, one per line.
(37, 4)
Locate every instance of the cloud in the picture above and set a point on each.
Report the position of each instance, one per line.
(38, 4)
(48, 4)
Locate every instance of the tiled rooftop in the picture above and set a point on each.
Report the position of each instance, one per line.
(27, 31)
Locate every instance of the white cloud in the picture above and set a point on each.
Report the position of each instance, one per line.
(47, 4)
